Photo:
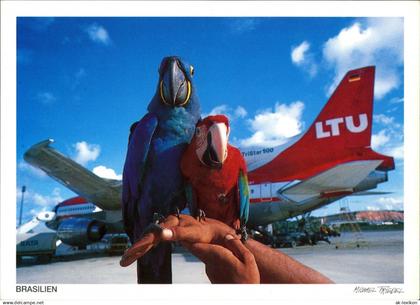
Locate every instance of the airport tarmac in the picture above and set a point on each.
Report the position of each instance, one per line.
(368, 257)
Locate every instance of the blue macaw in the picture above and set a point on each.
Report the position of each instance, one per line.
(152, 181)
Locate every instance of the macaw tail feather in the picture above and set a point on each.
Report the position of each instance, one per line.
(156, 266)
(243, 197)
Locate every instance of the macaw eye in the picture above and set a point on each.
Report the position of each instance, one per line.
(197, 131)
(191, 70)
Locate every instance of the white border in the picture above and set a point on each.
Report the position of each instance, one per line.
(207, 293)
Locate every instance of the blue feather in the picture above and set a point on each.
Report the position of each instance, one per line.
(243, 198)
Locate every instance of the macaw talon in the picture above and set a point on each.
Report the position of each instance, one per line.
(154, 228)
(177, 212)
(201, 215)
(158, 218)
(244, 234)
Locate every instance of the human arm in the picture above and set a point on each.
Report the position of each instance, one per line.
(276, 267)
(273, 265)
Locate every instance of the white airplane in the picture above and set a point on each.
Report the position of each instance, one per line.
(331, 160)
(34, 238)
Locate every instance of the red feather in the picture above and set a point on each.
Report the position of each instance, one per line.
(216, 189)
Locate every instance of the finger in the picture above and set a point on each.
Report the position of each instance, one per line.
(170, 221)
(138, 250)
(207, 253)
(190, 234)
(238, 249)
(130, 257)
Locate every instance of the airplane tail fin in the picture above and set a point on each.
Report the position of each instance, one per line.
(346, 119)
(344, 125)
(340, 133)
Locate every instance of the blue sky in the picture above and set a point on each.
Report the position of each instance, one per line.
(83, 81)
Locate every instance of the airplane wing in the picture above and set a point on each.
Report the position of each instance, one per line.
(105, 193)
(337, 181)
(370, 193)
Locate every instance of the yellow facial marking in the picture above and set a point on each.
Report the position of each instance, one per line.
(183, 103)
(188, 94)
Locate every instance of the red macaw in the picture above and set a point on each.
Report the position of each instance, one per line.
(216, 174)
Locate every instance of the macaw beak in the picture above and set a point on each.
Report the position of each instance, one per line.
(216, 151)
(175, 88)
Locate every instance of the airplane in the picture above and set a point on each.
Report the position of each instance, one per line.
(35, 238)
(331, 160)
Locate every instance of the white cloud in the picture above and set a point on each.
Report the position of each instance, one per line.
(221, 109)
(390, 140)
(273, 127)
(394, 129)
(376, 41)
(303, 59)
(393, 109)
(383, 119)
(397, 100)
(238, 113)
(242, 25)
(386, 203)
(390, 203)
(379, 140)
(78, 76)
(396, 151)
(298, 53)
(98, 34)
(86, 152)
(105, 172)
(25, 167)
(34, 212)
(40, 200)
(46, 98)
(44, 201)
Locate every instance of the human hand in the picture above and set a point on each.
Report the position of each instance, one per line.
(227, 260)
(184, 228)
(151, 237)
(230, 263)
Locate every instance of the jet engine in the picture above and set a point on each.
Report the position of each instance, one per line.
(80, 231)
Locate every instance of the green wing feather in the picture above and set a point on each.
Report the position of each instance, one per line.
(243, 197)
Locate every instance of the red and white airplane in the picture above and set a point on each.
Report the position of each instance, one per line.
(331, 160)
